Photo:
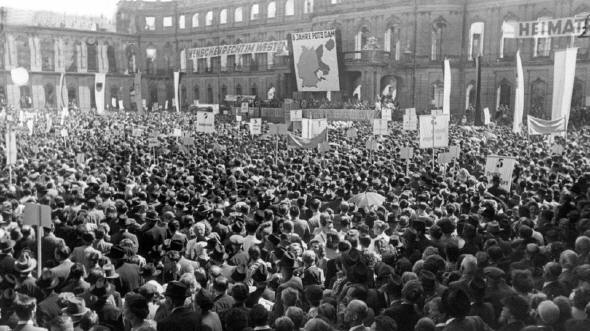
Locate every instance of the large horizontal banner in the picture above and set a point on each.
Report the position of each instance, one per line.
(559, 27)
(249, 48)
(316, 61)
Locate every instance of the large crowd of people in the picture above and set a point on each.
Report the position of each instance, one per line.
(157, 227)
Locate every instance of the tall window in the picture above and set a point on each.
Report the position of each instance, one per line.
(238, 89)
(111, 58)
(437, 94)
(92, 56)
(167, 21)
(150, 23)
(289, 8)
(238, 15)
(308, 7)
(437, 39)
(508, 44)
(476, 40)
(542, 44)
(223, 16)
(254, 11)
(271, 9)
(47, 55)
(538, 94)
(150, 56)
(392, 42)
(23, 52)
(195, 20)
(209, 18)
(181, 22)
(196, 94)
(50, 99)
(209, 94)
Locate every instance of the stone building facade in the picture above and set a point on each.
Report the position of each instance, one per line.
(399, 44)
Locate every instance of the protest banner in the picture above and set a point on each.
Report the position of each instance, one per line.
(445, 158)
(434, 131)
(255, 126)
(309, 75)
(278, 129)
(312, 127)
(205, 122)
(502, 166)
(277, 46)
(380, 127)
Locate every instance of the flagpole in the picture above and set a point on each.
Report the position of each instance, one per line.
(433, 123)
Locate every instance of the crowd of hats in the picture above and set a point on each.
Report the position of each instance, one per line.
(230, 212)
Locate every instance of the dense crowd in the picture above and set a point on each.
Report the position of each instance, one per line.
(156, 230)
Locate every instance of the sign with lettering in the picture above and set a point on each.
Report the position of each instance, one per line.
(434, 131)
(559, 27)
(380, 127)
(501, 166)
(205, 122)
(255, 126)
(244, 108)
(296, 115)
(410, 123)
(279, 46)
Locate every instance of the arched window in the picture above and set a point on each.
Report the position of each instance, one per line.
(196, 93)
(209, 94)
(438, 27)
(238, 89)
(508, 42)
(130, 54)
(542, 45)
(504, 94)
(49, 90)
(360, 40)
(538, 96)
(238, 15)
(392, 42)
(437, 94)
(71, 56)
(92, 56)
(289, 8)
(47, 55)
(195, 20)
(254, 12)
(223, 16)
(150, 58)
(23, 51)
(476, 40)
(209, 18)
(271, 9)
(223, 92)
(111, 58)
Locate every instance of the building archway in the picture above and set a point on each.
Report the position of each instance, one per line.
(504, 94)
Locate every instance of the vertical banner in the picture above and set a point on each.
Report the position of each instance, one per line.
(519, 97)
(99, 87)
(564, 71)
(177, 90)
(11, 148)
(478, 112)
(447, 88)
(138, 100)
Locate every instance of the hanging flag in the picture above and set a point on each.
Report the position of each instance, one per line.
(478, 112)
(99, 87)
(540, 126)
(447, 88)
(519, 98)
(299, 142)
(11, 148)
(177, 90)
(564, 71)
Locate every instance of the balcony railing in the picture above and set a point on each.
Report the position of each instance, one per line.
(375, 57)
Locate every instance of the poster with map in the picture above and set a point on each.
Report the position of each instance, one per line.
(316, 61)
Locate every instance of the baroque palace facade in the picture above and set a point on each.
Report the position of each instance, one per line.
(397, 43)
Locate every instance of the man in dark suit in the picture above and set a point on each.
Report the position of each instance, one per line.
(24, 307)
(181, 317)
(48, 245)
(552, 287)
(6, 257)
(129, 274)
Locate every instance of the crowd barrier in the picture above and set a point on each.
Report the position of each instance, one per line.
(280, 115)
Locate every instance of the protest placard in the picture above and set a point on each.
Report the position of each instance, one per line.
(380, 127)
(502, 166)
(244, 107)
(406, 153)
(255, 126)
(205, 122)
(296, 115)
(434, 131)
(386, 114)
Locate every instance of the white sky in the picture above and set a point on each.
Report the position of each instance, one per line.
(74, 7)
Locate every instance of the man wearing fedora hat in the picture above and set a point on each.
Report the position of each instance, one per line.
(25, 308)
(76, 309)
(6, 257)
(181, 317)
(25, 282)
(129, 273)
(48, 309)
(287, 267)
